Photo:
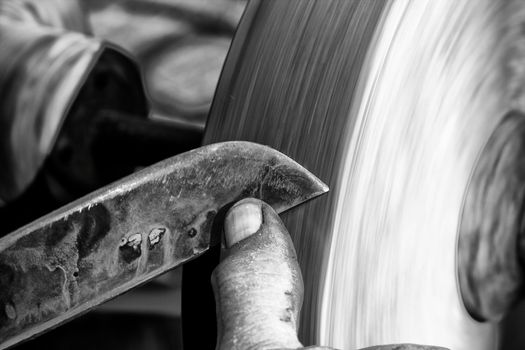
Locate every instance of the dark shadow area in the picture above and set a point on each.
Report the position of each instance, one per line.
(103, 331)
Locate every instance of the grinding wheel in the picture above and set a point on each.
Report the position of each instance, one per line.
(390, 103)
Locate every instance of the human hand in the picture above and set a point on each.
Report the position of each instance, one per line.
(258, 285)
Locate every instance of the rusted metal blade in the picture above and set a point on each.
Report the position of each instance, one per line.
(133, 230)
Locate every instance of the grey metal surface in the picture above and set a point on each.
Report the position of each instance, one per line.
(125, 234)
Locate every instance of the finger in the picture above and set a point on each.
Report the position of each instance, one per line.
(258, 286)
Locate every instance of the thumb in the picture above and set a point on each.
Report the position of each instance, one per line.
(258, 286)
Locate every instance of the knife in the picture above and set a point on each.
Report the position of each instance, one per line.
(133, 230)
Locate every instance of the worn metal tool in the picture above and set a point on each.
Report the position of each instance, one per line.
(123, 235)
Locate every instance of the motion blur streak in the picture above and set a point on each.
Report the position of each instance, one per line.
(389, 103)
(433, 94)
(289, 82)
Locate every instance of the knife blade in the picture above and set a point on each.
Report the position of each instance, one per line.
(133, 230)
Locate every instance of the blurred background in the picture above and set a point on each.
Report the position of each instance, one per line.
(180, 45)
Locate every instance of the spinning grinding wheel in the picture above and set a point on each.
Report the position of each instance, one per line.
(391, 104)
